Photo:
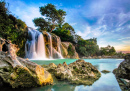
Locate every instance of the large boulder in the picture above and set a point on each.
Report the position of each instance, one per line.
(19, 72)
(122, 74)
(78, 72)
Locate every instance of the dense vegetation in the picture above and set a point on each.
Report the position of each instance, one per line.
(87, 47)
(54, 22)
(12, 28)
(108, 50)
(70, 50)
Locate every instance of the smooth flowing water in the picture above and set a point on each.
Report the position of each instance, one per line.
(107, 82)
(50, 40)
(35, 46)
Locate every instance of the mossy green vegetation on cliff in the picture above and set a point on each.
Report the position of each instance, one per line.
(12, 28)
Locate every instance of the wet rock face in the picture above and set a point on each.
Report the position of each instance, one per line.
(122, 74)
(19, 72)
(123, 71)
(78, 72)
(7, 46)
(64, 48)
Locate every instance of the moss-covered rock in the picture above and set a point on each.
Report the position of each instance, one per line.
(78, 72)
(105, 71)
(122, 74)
(25, 74)
(19, 72)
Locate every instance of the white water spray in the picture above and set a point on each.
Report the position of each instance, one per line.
(50, 40)
(35, 46)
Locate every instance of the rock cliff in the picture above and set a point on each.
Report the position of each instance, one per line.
(122, 74)
(55, 46)
(65, 53)
(19, 72)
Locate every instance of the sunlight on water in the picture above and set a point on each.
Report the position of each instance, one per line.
(107, 82)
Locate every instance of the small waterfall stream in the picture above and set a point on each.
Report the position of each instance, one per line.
(53, 52)
(50, 40)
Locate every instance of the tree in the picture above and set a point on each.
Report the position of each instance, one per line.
(53, 17)
(41, 23)
(112, 51)
(12, 28)
(62, 15)
(66, 26)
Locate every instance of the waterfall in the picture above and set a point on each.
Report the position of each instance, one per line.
(53, 52)
(35, 45)
(50, 40)
(56, 54)
(58, 44)
(59, 48)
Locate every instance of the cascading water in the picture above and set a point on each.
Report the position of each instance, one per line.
(35, 46)
(58, 45)
(56, 54)
(59, 48)
(50, 40)
(53, 52)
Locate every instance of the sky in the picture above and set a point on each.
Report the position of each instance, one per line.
(106, 20)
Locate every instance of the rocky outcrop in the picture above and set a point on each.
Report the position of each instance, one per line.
(64, 47)
(19, 72)
(105, 71)
(122, 74)
(78, 72)
(56, 47)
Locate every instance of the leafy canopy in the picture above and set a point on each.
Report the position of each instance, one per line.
(53, 18)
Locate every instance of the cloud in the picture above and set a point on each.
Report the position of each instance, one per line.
(124, 38)
(85, 33)
(25, 12)
(108, 20)
(72, 24)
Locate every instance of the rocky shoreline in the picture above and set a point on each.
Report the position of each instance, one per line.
(103, 57)
(122, 74)
(20, 73)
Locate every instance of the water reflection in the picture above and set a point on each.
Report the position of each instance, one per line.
(107, 82)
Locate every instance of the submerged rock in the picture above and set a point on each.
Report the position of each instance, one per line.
(105, 71)
(18, 72)
(122, 74)
(78, 72)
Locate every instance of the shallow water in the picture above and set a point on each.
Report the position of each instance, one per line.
(107, 82)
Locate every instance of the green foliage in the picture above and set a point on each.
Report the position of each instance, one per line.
(109, 51)
(41, 23)
(64, 34)
(70, 50)
(53, 17)
(66, 26)
(87, 47)
(12, 28)
(82, 51)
